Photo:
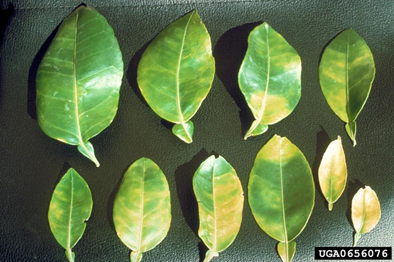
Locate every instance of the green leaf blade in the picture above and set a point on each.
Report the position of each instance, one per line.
(346, 72)
(269, 78)
(220, 202)
(333, 172)
(366, 211)
(176, 71)
(142, 208)
(281, 190)
(78, 80)
(69, 209)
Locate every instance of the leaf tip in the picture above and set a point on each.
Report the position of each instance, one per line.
(330, 206)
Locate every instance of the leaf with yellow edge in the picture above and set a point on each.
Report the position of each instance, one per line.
(70, 208)
(333, 172)
(142, 208)
(220, 202)
(365, 211)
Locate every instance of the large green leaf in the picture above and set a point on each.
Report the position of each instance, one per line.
(346, 73)
(142, 208)
(333, 172)
(78, 80)
(176, 72)
(365, 211)
(220, 202)
(70, 207)
(269, 78)
(281, 193)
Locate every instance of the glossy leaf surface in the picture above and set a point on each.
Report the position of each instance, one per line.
(220, 203)
(346, 73)
(69, 209)
(281, 193)
(269, 78)
(333, 172)
(142, 208)
(176, 72)
(78, 80)
(365, 211)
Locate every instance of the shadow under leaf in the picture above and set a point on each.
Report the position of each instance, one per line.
(229, 53)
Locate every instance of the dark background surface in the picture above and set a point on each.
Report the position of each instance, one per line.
(31, 163)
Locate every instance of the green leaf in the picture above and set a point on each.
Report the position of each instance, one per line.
(78, 80)
(281, 193)
(346, 73)
(142, 208)
(333, 172)
(176, 71)
(220, 203)
(70, 207)
(269, 78)
(365, 211)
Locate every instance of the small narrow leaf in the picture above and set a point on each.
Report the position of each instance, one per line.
(346, 73)
(269, 78)
(142, 208)
(78, 80)
(365, 211)
(70, 207)
(333, 172)
(281, 193)
(176, 72)
(220, 203)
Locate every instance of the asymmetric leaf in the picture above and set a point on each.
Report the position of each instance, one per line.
(78, 80)
(333, 172)
(142, 208)
(365, 211)
(70, 207)
(346, 73)
(220, 202)
(176, 72)
(269, 78)
(281, 193)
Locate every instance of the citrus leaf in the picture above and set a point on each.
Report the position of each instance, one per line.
(281, 193)
(176, 71)
(346, 73)
(78, 80)
(69, 209)
(220, 203)
(142, 208)
(269, 78)
(333, 172)
(365, 211)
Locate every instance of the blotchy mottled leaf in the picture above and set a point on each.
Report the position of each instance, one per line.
(70, 207)
(365, 211)
(269, 78)
(281, 193)
(142, 208)
(220, 203)
(333, 172)
(176, 72)
(78, 80)
(346, 73)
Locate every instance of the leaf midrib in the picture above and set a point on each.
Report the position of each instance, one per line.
(142, 200)
(76, 105)
(214, 209)
(70, 214)
(178, 69)
(282, 202)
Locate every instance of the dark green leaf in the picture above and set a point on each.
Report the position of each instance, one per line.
(220, 202)
(142, 208)
(346, 72)
(281, 193)
(269, 78)
(78, 80)
(176, 72)
(70, 207)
